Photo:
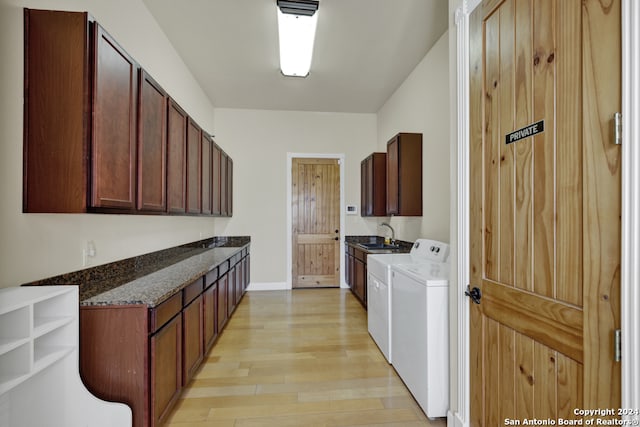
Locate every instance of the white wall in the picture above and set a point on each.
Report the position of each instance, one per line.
(421, 104)
(258, 141)
(35, 246)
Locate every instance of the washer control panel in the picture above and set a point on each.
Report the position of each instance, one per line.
(430, 250)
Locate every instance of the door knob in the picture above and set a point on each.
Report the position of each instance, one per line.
(474, 294)
(337, 231)
(336, 238)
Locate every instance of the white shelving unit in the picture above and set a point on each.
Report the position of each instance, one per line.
(39, 379)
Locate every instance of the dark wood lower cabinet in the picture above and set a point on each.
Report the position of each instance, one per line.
(356, 273)
(193, 341)
(114, 356)
(360, 285)
(143, 356)
(166, 368)
(231, 290)
(210, 317)
(222, 301)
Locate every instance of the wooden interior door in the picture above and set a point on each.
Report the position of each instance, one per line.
(545, 210)
(316, 222)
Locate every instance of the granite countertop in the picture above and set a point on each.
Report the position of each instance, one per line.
(151, 278)
(153, 288)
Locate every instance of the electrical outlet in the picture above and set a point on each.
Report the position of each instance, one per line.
(91, 249)
(88, 251)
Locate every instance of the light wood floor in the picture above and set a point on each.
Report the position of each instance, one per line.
(297, 358)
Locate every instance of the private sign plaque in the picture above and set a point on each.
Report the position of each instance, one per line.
(524, 132)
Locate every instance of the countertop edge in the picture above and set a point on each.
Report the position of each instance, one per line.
(158, 286)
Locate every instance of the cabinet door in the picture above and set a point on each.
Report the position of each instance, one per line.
(224, 201)
(152, 145)
(215, 179)
(166, 369)
(247, 272)
(347, 269)
(365, 197)
(210, 300)
(192, 339)
(360, 278)
(229, 186)
(222, 301)
(239, 273)
(176, 159)
(404, 175)
(231, 291)
(392, 177)
(377, 184)
(56, 114)
(113, 148)
(194, 164)
(206, 174)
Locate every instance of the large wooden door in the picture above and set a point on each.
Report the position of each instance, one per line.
(545, 210)
(316, 222)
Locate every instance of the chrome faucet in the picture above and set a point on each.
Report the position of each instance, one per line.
(393, 232)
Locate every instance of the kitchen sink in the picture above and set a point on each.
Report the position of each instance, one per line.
(374, 246)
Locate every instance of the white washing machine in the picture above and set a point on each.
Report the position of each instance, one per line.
(379, 298)
(420, 331)
(379, 305)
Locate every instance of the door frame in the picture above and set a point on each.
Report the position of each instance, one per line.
(290, 156)
(630, 244)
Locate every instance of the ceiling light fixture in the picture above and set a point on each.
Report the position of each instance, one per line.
(297, 21)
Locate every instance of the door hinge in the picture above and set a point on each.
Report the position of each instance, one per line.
(617, 128)
(617, 342)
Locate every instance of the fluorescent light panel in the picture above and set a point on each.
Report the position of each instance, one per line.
(297, 33)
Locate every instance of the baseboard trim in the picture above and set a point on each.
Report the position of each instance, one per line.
(454, 420)
(268, 286)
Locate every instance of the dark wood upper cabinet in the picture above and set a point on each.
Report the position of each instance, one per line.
(194, 171)
(152, 145)
(373, 185)
(215, 180)
(100, 135)
(404, 175)
(224, 179)
(206, 174)
(79, 116)
(113, 137)
(56, 111)
(229, 186)
(177, 121)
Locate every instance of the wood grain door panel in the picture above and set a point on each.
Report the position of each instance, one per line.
(545, 210)
(316, 222)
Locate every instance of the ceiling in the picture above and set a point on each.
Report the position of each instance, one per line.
(364, 50)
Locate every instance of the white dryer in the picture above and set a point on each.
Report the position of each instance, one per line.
(420, 330)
